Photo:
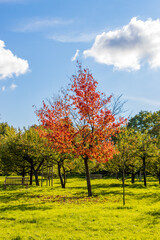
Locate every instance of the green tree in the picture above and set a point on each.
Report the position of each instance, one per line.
(26, 152)
(126, 145)
(146, 121)
(145, 149)
(126, 154)
(154, 164)
(6, 133)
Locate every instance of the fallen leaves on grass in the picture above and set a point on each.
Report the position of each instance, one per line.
(74, 199)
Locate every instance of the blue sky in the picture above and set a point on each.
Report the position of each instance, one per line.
(118, 40)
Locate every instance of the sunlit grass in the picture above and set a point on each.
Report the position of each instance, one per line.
(56, 213)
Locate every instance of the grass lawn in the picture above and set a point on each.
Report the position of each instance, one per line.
(54, 213)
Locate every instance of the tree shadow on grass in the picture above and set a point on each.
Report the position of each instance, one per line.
(102, 189)
(154, 196)
(12, 187)
(11, 197)
(97, 185)
(116, 185)
(152, 180)
(136, 186)
(108, 193)
(155, 214)
(24, 207)
(107, 189)
(113, 188)
(7, 218)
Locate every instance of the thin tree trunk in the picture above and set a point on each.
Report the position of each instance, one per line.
(133, 177)
(23, 172)
(23, 175)
(36, 172)
(123, 182)
(49, 176)
(36, 177)
(144, 171)
(158, 177)
(42, 176)
(88, 177)
(140, 175)
(64, 176)
(31, 176)
(52, 175)
(60, 175)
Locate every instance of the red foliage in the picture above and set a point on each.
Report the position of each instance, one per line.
(81, 123)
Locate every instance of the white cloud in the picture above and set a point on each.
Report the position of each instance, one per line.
(129, 47)
(13, 86)
(40, 24)
(144, 100)
(73, 38)
(11, 64)
(3, 88)
(75, 55)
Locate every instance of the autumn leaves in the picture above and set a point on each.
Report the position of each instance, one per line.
(80, 123)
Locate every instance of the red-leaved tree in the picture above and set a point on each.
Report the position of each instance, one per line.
(80, 122)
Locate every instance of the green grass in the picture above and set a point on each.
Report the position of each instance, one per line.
(54, 213)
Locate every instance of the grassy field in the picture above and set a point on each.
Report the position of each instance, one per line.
(54, 213)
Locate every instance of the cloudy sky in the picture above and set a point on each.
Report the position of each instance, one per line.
(40, 41)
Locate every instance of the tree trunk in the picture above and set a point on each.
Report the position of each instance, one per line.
(42, 176)
(23, 175)
(36, 172)
(123, 182)
(36, 177)
(133, 177)
(158, 177)
(23, 172)
(88, 177)
(140, 175)
(52, 176)
(31, 176)
(60, 175)
(144, 171)
(64, 176)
